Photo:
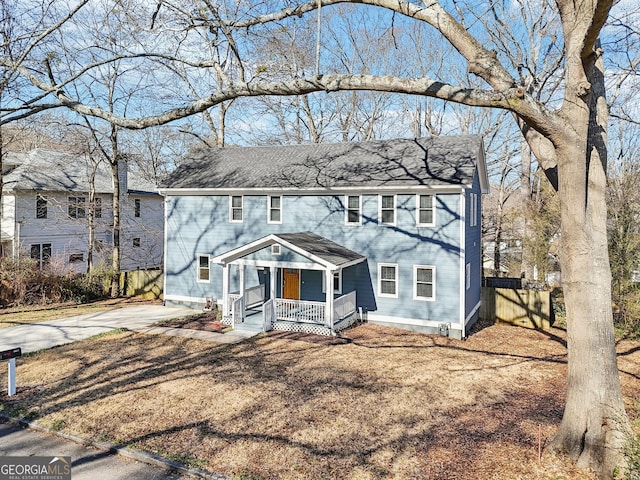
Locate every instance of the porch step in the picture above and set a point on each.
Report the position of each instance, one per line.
(253, 327)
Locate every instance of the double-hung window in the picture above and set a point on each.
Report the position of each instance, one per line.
(275, 209)
(76, 207)
(424, 282)
(41, 207)
(387, 213)
(388, 280)
(41, 253)
(235, 208)
(97, 207)
(136, 207)
(353, 210)
(426, 210)
(204, 269)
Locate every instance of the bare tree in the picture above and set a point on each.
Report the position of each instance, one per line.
(567, 134)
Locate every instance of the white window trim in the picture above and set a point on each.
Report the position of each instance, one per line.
(269, 221)
(415, 283)
(198, 267)
(387, 295)
(346, 210)
(473, 209)
(275, 249)
(324, 282)
(433, 209)
(395, 209)
(231, 208)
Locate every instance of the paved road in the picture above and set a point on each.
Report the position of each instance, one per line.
(87, 463)
(37, 336)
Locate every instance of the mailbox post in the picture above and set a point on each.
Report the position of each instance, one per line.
(10, 356)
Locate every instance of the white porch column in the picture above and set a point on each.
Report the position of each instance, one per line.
(329, 298)
(242, 269)
(226, 308)
(273, 276)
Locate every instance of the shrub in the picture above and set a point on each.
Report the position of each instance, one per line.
(22, 282)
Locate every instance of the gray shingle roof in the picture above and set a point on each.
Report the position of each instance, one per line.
(321, 247)
(424, 161)
(45, 170)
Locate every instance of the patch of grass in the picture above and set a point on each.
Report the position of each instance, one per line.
(186, 460)
(58, 425)
(115, 331)
(246, 474)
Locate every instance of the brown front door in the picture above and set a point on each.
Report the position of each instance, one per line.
(291, 284)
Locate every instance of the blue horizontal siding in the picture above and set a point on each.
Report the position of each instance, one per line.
(200, 225)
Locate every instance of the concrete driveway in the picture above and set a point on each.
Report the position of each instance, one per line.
(37, 336)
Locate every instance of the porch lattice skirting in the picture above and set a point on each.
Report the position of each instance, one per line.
(315, 328)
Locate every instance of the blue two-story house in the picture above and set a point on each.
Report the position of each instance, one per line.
(313, 237)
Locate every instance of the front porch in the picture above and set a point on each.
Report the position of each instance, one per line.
(296, 273)
(290, 315)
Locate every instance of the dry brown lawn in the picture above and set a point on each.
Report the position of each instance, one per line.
(379, 403)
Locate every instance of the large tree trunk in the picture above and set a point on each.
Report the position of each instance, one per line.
(594, 426)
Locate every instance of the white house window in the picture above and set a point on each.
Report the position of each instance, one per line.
(424, 285)
(426, 210)
(337, 282)
(203, 268)
(473, 209)
(97, 208)
(354, 209)
(387, 209)
(235, 208)
(41, 253)
(76, 207)
(388, 280)
(275, 209)
(136, 207)
(41, 207)
(76, 257)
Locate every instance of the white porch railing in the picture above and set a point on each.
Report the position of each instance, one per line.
(344, 306)
(300, 311)
(252, 296)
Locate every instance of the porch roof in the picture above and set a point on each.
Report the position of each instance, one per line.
(319, 249)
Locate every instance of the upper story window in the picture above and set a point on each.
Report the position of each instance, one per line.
(77, 207)
(136, 207)
(426, 214)
(275, 209)
(41, 207)
(353, 210)
(235, 208)
(424, 285)
(204, 268)
(388, 280)
(473, 209)
(136, 242)
(387, 213)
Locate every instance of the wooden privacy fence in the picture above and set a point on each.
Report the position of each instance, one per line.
(142, 283)
(524, 308)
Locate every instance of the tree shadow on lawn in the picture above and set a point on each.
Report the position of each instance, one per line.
(271, 389)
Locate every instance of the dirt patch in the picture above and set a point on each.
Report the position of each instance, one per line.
(378, 403)
(207, 321)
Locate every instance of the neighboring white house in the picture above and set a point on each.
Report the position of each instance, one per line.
(45, 212)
